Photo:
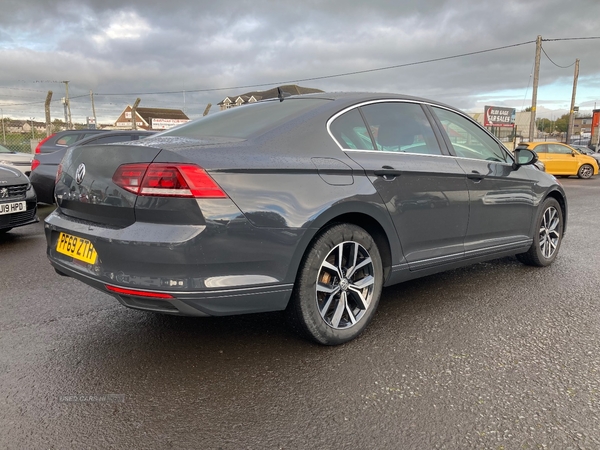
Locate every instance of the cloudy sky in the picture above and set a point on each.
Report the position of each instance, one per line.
(187, 53)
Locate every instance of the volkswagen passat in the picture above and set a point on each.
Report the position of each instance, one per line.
(308, 204)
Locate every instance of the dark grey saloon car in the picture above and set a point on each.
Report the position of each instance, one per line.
(308, 204)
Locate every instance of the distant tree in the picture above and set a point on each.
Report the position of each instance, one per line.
(528, 109)
(57, 125)
(544, 125)
(562, 123)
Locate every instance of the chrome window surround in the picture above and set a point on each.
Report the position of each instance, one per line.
(396, 100)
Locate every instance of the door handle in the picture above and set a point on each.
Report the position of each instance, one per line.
(475, 176)
(387, 172)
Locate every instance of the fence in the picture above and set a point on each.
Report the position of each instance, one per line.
(21, 142)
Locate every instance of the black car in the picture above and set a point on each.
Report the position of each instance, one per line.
(18, 205)
(64, 139)
(308, 204)
(45, 165)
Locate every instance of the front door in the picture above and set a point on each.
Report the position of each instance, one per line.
(501, 198)
(561, 160)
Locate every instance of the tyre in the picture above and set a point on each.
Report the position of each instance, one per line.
(585, 171)
(338, 286)
(548, 235)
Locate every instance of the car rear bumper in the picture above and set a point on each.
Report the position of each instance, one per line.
(204, 269)
(216, 302)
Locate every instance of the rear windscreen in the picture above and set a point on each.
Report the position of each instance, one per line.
(245, 121)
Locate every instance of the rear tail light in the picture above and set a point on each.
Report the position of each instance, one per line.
(58, 173)
(167, 180)
(38, 148)
(34, 164)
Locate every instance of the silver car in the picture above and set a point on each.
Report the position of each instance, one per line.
(18, 160)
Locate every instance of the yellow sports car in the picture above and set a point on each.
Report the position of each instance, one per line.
(561, 159)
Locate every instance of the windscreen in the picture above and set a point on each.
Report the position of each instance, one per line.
(245, 121)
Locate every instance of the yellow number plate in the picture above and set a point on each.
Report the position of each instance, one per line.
(77, 247)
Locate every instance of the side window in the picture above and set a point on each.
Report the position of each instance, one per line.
(543, 148)
(350, 131)
(560, 149)
(67, 140)
(401, 127)
(468, 140)
(108, 139)
(86, 135)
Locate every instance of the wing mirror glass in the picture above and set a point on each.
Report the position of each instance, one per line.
(524, 157)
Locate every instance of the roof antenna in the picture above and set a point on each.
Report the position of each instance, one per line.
(280, 95)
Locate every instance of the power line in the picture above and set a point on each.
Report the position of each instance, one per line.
(528, 83)
(550, 59)
(357, 72)
(461, 55)
(572, 39)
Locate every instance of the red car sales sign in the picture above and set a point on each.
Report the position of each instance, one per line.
(496, 116)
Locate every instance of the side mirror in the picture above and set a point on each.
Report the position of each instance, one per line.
(524, 157)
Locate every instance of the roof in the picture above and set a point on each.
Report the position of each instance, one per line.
(160, 113)
(292, 89)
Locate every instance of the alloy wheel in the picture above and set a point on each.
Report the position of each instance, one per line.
(549, 232)
(345, 285)
(586, 171)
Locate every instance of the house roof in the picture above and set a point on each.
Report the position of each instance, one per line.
(160, 113)
(292, 89)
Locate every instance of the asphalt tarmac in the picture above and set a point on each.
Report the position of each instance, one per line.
(493, 356)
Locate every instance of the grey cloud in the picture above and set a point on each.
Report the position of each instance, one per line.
(197, 45)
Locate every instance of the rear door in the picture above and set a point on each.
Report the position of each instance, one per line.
(424, 190)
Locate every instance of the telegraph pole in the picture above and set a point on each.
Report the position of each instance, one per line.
(133, 113)
(47, 108)
(572, 110)
(536, 80)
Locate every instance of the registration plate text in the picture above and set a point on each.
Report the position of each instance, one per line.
(76, 247)
(11, 208)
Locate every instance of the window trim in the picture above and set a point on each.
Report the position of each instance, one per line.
(434, 125)
(470, 119)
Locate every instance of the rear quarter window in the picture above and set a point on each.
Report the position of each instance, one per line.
(245, 121)
(68, 140)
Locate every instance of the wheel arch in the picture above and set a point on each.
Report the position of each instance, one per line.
(374, 219)
(562, 201)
